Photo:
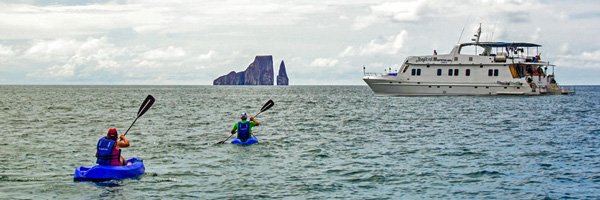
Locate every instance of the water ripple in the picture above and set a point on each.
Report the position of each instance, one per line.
(317, 142)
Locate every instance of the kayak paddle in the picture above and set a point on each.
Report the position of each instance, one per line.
(265, 107)
(145, 107)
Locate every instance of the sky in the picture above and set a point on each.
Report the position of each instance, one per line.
(322, 42)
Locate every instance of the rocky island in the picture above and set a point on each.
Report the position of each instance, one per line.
(282, 78)
(259, 72)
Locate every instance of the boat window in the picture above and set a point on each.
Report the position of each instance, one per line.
(470, 58)
(474, 50)
(495, 72)
(490, 72)
(439, 72)
(404, 69)
(455, 72)
(449, 72)
(418, 72)
(455, 58)
(413, 72)
(468, 72)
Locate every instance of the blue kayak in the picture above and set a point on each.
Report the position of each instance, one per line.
(250, 141)
(105, 173)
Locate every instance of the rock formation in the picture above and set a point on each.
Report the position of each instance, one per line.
(232, 78)
(259, 72)
(282, 78)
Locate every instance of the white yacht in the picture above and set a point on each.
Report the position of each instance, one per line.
(475, 68)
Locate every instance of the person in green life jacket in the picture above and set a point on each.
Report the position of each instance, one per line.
(244, 128)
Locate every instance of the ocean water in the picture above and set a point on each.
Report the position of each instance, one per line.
(317, 142)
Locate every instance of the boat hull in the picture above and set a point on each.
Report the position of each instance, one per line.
(106, 173)
(250, 141)
(390, 87)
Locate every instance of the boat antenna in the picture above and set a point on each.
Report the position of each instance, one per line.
(493, 30)
(478, 35)
(463, 29)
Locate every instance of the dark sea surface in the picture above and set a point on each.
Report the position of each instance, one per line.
(317, 142)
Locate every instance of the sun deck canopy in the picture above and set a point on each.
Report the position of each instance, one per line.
(501, 44)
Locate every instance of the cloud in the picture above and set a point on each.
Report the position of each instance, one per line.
(535, 35)
(412, 11)
(583, 60)
(97, 60)
(348, 51)
(403, 11)
(24, 21)
(6, 50)
(591, 56)
(64, 71)
(586, 15)
(324, 62)
(513, 11)
(399, 11)
(362, 22)
(6, 53)
(163, 42)
(169, 53)
(56, 49)
(564, 49)
(73, 59)
(209, 55)
(390, 45)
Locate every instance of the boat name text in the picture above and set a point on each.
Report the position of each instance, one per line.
(429, 59)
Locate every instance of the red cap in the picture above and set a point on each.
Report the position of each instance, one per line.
(112, 132)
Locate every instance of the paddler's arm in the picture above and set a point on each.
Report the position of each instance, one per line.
(234, 129)
(256, 123)
(124, 142)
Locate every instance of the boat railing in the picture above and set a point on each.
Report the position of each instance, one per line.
(528, 60)
(380, 74)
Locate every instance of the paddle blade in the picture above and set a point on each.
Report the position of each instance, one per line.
(223, 141)
(267, 105)
(146, 105)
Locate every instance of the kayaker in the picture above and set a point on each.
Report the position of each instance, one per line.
(244, 128)
(108, 150)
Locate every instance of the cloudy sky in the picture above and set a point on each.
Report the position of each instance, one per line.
(323, 42)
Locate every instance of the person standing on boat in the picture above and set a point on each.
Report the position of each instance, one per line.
(244, 128)
(108, 150)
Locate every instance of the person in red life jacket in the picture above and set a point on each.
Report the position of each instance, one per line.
(244, 128)
(108, 150)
